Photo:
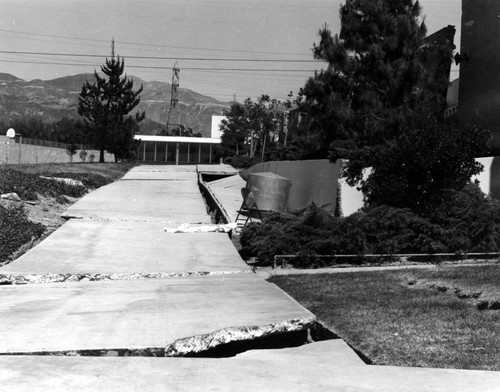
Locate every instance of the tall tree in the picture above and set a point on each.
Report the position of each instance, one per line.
(375, 81)
(380, 102)
(235, 130)
(105, 106)
(254, 127)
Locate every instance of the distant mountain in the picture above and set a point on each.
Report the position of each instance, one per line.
(54, 99)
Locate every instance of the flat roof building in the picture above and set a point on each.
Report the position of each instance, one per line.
(176, 149)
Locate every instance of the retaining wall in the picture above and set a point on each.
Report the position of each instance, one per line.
(15, 153)
(312, 181)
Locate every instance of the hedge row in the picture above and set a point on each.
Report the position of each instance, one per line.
(464, 222)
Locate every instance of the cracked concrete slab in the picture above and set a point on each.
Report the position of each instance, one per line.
(217, 169)
(337, 351)
(292, 372)
(175, 314)
(83, 246)
(20, 279)
(165, 168)
(166, 173)
(227, 191)
(150, 200)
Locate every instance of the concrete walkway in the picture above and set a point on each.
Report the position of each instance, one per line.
(112, 283)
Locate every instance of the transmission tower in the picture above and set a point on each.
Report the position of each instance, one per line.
(174, 100)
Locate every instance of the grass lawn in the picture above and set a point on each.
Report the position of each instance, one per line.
(112, 171)
(409, 317)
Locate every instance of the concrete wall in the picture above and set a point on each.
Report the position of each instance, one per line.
(312, 181)
(489, 179)
(316, 181)
(15, 153)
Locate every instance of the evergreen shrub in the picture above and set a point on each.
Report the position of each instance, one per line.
(242, 161)
(465, 221)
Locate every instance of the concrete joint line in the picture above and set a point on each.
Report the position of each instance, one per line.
(187, 346)
(112, 352)
(197, 344)
(16, 279)
(144, 220)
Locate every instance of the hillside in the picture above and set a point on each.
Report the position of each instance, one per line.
(54, 99)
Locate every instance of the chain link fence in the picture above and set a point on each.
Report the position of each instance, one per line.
(46, 143)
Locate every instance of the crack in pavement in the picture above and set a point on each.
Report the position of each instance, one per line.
(21, 279)
(190, 345)
(199, 343)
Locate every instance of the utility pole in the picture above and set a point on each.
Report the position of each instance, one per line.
(174, 100)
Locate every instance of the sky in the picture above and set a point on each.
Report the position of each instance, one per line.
(224, 48)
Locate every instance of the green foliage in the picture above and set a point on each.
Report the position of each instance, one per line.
(71, 150)
(66, 130)
(376, 81)
(83, 155)
(16, 230)
(235, 130)
(29, 186)
(256, 128)
(242, 161)
(380, 105)
(465, 221)
(417, 169)
(105, 106)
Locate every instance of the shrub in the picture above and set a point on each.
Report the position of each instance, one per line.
(83, 155)
(16, 230)
(466, 221)
(28, 186)
(242, 161)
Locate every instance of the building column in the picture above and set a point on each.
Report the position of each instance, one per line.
(144, 152)
(177, 153)
(154, 159)
(210, 155)
(199, 153)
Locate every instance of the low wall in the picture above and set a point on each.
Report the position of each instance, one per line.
(312, 181)
(489, 179)
(15, 153)
(316, 181)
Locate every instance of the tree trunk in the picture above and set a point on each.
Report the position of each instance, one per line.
(252, 151)
(101, 156)
(263, 146)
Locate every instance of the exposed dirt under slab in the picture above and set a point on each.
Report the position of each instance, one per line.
(196, 344)
(14, 279)
(295, 332)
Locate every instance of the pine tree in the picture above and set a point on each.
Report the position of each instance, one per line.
(375, 82)
(235, 130)
(105, 106)
(380, 104)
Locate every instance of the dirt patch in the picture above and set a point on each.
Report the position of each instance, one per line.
(45, 210)
(484, 298)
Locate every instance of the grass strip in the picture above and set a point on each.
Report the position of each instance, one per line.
(395, 322)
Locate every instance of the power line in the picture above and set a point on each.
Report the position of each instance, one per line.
(154, 45)
(158, 57)
(201, 69)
